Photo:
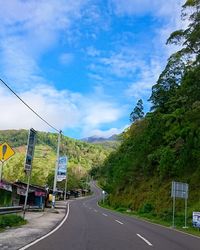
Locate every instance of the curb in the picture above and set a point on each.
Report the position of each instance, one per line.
(59, 224)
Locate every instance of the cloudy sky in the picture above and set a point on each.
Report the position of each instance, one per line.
(82, 65)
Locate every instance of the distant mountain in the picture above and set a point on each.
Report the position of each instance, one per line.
(97, 139)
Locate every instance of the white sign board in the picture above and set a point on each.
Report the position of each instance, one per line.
(62, 169)
(179, 190)
(196, 219)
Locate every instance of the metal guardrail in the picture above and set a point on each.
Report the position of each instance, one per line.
(17, 209)
(10, 210)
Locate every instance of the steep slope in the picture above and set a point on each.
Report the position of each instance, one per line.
(82, 156)
(165, 144)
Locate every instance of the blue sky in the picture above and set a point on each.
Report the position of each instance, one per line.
(82, 65)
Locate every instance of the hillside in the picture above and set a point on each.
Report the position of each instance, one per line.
(82, 156)
(164, 145)
(110, 142)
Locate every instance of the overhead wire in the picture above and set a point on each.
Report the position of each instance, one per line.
(59, 131)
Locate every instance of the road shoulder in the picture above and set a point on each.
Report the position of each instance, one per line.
(39, 224)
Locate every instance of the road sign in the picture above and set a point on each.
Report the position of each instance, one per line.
(30, 150)
(196, 219)
(179, 190)
(62, 168)
(6, 152)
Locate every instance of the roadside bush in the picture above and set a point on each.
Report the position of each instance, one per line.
(147, 208)
(10, 220)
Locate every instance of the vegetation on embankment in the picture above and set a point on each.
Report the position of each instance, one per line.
(11, 220)
(164, 145)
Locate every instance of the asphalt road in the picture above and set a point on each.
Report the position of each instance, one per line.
(89, 227)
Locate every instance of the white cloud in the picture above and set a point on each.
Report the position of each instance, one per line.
(100, 113)
(66, 58)
(106, 133)
(148, 77)
(29, 29)
(91, 51)
(121, 63)
(138, 7)
(58, 108)
(17, 64)
(62, 109)
(145, 68)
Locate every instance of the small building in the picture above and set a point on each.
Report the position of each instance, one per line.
(13, 194)
(36, 197)
(5, 193)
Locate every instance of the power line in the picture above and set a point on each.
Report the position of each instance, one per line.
(29, 106)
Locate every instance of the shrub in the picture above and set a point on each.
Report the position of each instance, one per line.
(147, 208)
(10, 220)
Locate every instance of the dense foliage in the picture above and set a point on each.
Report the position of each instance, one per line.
(165, 144)
(81, 155)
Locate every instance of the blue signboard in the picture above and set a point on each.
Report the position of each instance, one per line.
(196, 219)
(62, 168)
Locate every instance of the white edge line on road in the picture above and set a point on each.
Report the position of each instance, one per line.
(149, 222)
(47, 235)
(145, 240)
(119, 222)
(105, 214)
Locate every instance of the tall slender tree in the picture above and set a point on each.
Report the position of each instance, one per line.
(137, 112)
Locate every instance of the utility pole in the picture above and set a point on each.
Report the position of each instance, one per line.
(65, 188)
(28, 162)
(56, 171)
(1, 171)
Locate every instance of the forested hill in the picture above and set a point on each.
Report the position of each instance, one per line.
(82, 156)
(165, 144)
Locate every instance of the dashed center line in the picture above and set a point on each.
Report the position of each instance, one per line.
(145, 240)
(105, 214)
(119, 222)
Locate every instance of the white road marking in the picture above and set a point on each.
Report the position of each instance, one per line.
(53, 231)
(95, 210)
(105, 214)
(145, 240)
(119, 222)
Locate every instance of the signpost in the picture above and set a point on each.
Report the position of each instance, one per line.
(103, 193)
(56, 171)
(28, 162)
(179, 190)
(5, 153)
(62, 172)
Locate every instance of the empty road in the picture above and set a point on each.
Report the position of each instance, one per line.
(89, 227)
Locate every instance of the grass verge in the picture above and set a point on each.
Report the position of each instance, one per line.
(11, 220)
(157, 219)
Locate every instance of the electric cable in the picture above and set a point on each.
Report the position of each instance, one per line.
(59, 131)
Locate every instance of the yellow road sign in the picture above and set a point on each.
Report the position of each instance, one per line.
(5, 152)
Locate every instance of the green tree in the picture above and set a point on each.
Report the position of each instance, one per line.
(137, 112)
